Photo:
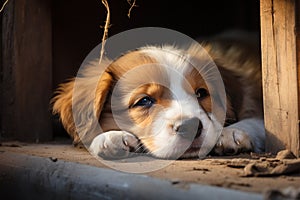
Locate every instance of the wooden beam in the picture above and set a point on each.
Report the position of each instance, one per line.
(26, 70)
(280, 74)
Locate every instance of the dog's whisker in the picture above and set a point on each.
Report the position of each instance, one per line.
(139, 149)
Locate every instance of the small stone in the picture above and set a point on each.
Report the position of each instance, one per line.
(53, 159)
(285, 154)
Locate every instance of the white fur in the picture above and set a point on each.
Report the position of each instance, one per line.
(113, 144)
(184, 106)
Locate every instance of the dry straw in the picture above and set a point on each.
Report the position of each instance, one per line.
(106, 27)
(132, 5)
(107, 23)
(3, 6)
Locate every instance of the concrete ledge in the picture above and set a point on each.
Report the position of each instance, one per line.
(30, 177)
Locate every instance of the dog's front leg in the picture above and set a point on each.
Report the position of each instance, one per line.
(114, 144)
(244, 136)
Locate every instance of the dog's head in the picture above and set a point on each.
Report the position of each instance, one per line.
(162, 95)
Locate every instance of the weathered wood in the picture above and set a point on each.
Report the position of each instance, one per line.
(297, 30)
(280, 69)
(26, 70)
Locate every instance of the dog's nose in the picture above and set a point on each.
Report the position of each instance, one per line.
(189, 128)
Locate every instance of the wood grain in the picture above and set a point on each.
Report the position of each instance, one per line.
(26, 70)
(280, 77)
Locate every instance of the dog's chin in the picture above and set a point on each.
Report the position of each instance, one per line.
(193, 150)
(185, 149)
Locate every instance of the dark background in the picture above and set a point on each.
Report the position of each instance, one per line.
(76, 25)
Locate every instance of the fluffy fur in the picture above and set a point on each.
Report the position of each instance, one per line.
(152, 100)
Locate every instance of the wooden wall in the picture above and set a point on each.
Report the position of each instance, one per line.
(280, 64)
(26, 70)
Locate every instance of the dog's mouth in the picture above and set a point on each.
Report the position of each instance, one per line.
(194, 147)
(196, 143)
(189, 142)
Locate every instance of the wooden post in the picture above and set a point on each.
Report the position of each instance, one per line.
(26, 69)
(280, 67)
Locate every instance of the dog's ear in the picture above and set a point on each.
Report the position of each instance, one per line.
(82, 99)
(62, 105)
(103, 87)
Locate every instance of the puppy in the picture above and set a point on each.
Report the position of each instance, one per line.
(161, 100)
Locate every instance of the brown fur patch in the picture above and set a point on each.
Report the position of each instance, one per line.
(129, 61)
(239, 65)
(196, 81)
(117, 70)
(145, 116)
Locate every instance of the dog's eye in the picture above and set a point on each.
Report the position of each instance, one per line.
(201, 93)
(145, 102)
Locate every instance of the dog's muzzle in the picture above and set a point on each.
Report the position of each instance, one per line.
(189, 128)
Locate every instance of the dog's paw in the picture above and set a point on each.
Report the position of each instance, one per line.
(233, 141)
(114, 145)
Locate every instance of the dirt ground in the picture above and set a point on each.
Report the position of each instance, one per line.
(247, 172)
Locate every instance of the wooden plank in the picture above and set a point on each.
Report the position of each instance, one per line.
(280, 81)
(26, 70)
(7, 71)
(298, 52)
